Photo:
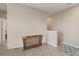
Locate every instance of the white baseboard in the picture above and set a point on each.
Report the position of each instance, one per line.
(71, 44)
(13, 47)
(51, 44)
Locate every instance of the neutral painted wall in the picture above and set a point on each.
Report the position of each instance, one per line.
(21, 21)
(67, 23)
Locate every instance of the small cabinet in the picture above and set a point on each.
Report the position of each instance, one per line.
(52, 38)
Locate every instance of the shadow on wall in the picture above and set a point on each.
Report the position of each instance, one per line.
(60, 38)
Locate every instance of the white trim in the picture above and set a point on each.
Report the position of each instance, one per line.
(51, 44)
(70, 44)
(13, 47)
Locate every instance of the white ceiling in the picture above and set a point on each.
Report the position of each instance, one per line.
(51, 8)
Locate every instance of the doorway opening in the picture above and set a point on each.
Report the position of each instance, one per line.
(3, 26)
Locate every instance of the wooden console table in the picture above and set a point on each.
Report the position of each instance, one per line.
(32, 41)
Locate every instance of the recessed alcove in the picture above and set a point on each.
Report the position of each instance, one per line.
(49, 23)
(52, 36)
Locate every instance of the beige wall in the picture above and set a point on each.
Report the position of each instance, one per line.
(21, 21)
(67, 23)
